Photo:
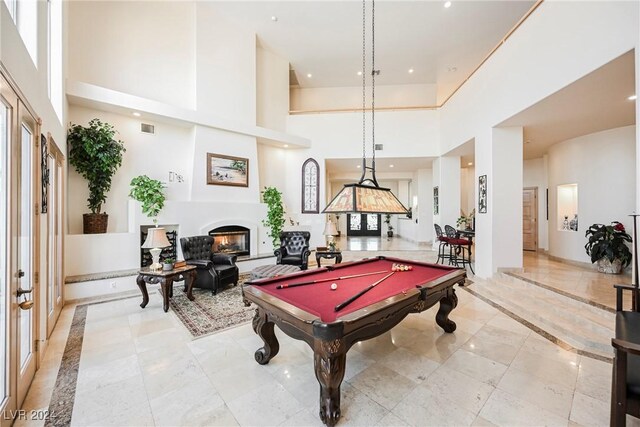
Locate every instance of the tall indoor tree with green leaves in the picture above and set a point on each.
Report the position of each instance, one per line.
(96, 155)
(275, 213)
(149, 192)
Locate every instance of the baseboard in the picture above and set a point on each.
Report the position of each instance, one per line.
(573, 263)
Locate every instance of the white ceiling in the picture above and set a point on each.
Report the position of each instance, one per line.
(596, 102)
(324, 38)
(383, 164)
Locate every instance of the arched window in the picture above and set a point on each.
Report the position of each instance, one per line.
(310, 193)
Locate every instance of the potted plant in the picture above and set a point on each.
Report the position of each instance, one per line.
(95, 155)
(167, 264)
(275, 213)
(149, 192)
(465, 221)
(607, 247)
(387, 220)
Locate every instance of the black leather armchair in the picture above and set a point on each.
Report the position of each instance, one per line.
(294, 248)
(215, 270)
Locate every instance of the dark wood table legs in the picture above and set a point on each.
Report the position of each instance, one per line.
(166, 279)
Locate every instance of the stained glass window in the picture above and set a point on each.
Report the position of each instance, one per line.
(310, 188)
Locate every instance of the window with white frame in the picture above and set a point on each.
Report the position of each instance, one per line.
(11, 5)
(55, 56)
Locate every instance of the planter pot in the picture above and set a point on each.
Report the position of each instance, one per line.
(608, 267)
(167, 267)
(94, 223)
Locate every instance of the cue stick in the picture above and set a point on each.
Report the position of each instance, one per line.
(312, 282)
(359, 294)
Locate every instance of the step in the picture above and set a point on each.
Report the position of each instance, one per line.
(586, 328)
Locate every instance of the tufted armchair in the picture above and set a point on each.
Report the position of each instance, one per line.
(294, 248)
(215, 270)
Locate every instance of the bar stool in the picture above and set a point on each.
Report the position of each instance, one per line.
(459, 249)
(443, 244)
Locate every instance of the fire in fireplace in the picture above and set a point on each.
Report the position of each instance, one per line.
(231, 239)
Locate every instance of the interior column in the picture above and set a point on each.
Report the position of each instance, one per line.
(446, 176)
(499, 230)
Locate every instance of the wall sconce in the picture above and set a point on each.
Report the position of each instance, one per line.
(175, 177)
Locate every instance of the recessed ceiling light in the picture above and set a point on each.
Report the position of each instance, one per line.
(359, 73)
(274, 18)
(447, 4)
(391, 166)
(286, 145)
(309, 75)
(358, 166)
(632, 97)
(410, 70)
(470, 164)
(452, 69)
(135, 113)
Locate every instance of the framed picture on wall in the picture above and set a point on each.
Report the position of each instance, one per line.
(436, 201)
(227, 170)
(482, 194)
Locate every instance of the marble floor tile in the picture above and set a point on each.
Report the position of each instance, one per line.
(505, 409)
(467, 392)
(413, 366)
(481, 368)
(102, 375)
(359, 410)
(425, 406)
(594, 379)
(266, 405)
(588, 411)
(548, 369)
(382, 385)
(547, 395)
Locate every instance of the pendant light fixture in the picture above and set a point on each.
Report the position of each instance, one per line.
(366, 196)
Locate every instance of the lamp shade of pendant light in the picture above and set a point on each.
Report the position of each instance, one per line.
(367, 196)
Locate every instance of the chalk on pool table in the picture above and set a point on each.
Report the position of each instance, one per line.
(334, 286)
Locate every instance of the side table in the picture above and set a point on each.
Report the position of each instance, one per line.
(328, 255)
(166, 279)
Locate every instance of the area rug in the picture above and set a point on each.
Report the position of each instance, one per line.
(211, 313)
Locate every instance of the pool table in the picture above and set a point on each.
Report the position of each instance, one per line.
(309, 313)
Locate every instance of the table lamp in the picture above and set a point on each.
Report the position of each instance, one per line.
(330, 231)
(156, 240)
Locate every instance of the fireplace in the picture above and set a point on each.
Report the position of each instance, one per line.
(231, 239)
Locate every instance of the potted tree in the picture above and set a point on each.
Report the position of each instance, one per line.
(95, 155)
(607, 247)
(149, 192)
(275, 213)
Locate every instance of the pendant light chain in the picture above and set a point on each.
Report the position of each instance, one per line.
(364, 81)
(373, 80)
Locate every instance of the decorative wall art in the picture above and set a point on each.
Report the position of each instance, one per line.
(436, 201)
(482, 194)
(44, 168)
(227, 170)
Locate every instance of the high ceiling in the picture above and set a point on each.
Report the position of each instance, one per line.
(383, 164)
(324, 38)
(596, 102)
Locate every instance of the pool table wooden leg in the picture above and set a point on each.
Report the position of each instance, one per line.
(330, 359)
(448, 303)
(264, 328)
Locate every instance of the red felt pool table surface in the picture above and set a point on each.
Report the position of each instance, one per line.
(319, 299)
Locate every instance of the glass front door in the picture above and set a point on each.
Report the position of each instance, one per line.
(363, 225)
(4, 282)
(54, 239)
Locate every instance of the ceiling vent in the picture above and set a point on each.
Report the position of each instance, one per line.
(147, 128)
(379, 147)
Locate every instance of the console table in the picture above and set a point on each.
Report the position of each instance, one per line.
(166, 279)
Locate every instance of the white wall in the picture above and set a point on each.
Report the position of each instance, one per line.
(225, 66)
(467, 189)
(603, 166)
(272, 86)
(153, 155)
(136, 47)
(534, 175)
(350, 97)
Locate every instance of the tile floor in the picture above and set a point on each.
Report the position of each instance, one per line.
(141, 367)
